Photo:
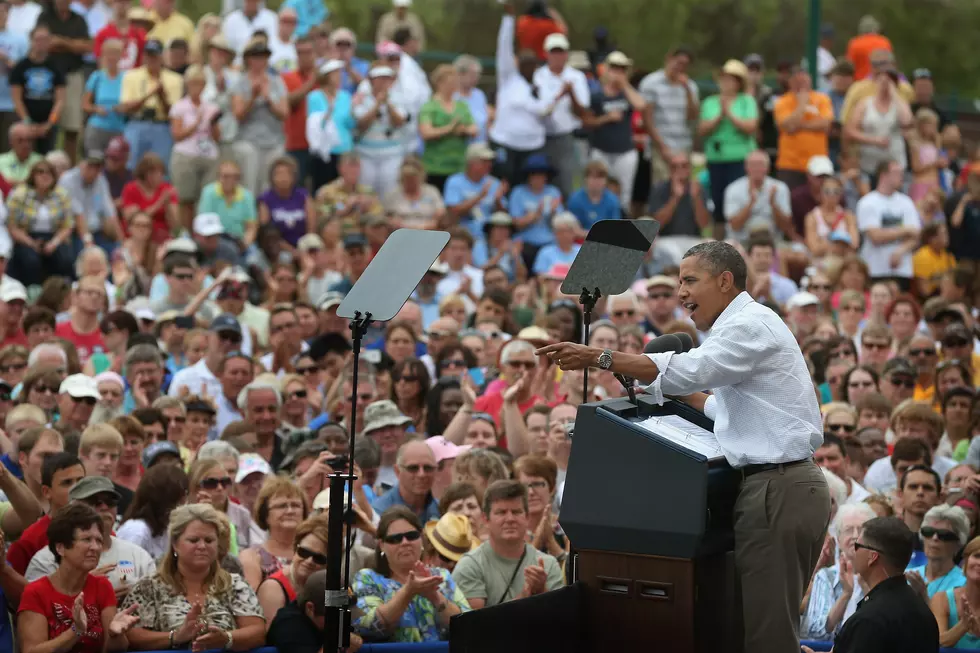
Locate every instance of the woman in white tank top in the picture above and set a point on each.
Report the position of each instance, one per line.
(830, 228)
(876, 125)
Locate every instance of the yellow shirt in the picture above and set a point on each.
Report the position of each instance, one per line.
(176, 26)
(928, 265)
(865, 89)
(136, 84)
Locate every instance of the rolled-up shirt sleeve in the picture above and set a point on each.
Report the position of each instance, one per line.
(726, 358)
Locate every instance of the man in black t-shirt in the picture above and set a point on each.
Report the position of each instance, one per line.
(963, 217)
(298, 626)
(70, 39)
(37, 87)
(924, 95)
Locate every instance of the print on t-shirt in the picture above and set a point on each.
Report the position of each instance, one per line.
(39, 83)
(891, 220)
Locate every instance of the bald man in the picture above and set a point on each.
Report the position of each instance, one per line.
(415, 468)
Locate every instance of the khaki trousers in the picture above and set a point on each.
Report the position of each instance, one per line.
(781, 518)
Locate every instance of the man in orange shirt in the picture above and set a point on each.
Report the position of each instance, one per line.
(868, 40)
(298, 84)
(803, 117)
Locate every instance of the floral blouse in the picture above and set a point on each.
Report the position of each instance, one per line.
(39, 215)
(419, 622)
(162, 609)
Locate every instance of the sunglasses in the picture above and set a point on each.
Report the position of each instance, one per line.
(179, 419)
(858, 546)
(311, 369)
(13, 367)
(396, 538)
(454, 362)
(43, 389)
(928, 532)
(107, 500)
(183, 277)
(527, 365)
(624, 313)
(902, 383)
(846, 428)
(229, 336)
(88, 401)
(922, 352)
(304, 553)
(660, 295)
(952, 342)
(860, 384)
(875, 345)
(214, 483)
(298, 394)
(415, 469)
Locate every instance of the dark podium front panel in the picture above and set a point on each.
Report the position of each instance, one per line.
(648, 506)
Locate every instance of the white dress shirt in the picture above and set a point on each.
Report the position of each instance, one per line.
(195, 378)
(239, 28)
(764, 406)
(562, 120)
(519, 124)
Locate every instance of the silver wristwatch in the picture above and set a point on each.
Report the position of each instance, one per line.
(605, 359)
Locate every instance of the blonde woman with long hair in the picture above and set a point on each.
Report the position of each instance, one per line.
(926, 159)
(191, 602)
(208, 27)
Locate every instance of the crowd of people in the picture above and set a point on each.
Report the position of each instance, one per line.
(185, 207)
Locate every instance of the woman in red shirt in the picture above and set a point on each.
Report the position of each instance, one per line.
(309, 555)
(73, 609)
(149, 193)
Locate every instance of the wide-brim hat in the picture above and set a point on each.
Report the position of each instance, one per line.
(257, 48)
(499, 219)
(382, 414)
(736, 69)
(451, 536)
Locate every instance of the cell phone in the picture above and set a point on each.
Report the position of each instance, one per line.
(339, 463)
(184, 321)
(476, 375)
(218, 116)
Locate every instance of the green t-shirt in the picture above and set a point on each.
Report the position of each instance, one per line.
(446, 155)
(727, 143)
(482, 574)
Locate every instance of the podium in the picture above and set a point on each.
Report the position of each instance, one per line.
(649, 506)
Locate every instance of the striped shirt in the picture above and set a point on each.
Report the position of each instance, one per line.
(764, 405)
(669, 102)
(826, 591)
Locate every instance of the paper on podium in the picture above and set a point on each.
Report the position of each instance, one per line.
(684, 433)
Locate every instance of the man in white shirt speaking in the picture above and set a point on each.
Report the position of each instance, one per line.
(767, 422)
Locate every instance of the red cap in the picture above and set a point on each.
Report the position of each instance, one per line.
(117, 147)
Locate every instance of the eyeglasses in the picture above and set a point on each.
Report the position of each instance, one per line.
(923, 352)
(305, 554)
(846, 428)
(536, 485)
(624, 313)
(902, 383)
(820, 286)
(396, 538)
(88, 401)
(214, 483)
(12, 367)
(310, 369)
(928, 532)
(660, 295)
(860, 545)
(415, 469)
(298, 394)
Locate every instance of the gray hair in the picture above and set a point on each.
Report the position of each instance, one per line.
(59, 159)
(515, 347)
(629, 296)
(166, 401)
(718, 257)
(565, 219)
(954, 515)
(255, 386)
(142, 354)
(44, 348)
(837, 487)
(464, 63)
(87, 252)
(217, 450)
(848, 510)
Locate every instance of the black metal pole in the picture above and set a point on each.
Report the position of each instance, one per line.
(588, 301)
(336, 632)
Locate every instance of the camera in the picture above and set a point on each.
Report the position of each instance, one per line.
(339, 463)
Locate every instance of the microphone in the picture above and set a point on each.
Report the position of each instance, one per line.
(665, 343)
(627, 383)
(686, 340)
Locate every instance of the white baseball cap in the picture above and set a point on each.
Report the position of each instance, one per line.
(402, 3)
(251, 463)
(11, 292)
(208, 224)
(556, 41)
(80, 386)
(801, 299)
(820, 166)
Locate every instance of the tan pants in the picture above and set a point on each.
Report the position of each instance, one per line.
(659, 168)
(781, 518)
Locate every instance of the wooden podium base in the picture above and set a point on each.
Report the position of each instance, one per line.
(662, 605)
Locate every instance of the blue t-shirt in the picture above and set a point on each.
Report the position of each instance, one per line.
(477, 102)
(309, 13)
(588, 213)
(482, 253)
(955, 578)
(316, 101)
(360, 67)
(15, 46)
(106, 92)
(550, 255)
(460, 188)
(523, 200)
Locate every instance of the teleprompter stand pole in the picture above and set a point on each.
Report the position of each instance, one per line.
(588, 300)
(340, 516)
